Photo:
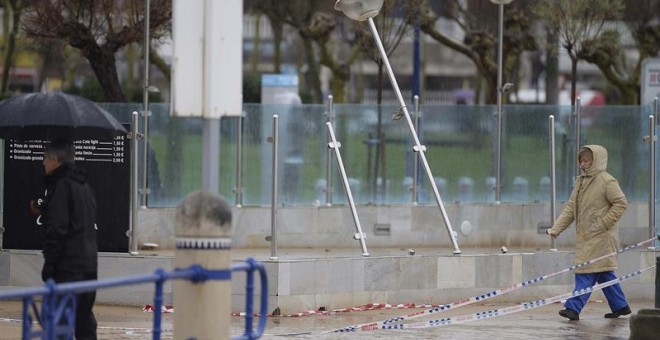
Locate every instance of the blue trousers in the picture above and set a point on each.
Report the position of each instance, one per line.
(614, 294)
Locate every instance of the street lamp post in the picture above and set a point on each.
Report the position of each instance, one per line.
(365, 10)
(500, 90)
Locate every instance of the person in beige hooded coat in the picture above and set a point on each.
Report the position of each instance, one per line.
(596, 204)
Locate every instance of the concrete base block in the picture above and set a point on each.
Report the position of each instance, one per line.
(645, 325)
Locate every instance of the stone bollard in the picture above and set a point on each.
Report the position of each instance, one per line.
(203, 236)
(645, 325)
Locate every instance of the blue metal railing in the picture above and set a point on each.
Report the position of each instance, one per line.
(57, 315)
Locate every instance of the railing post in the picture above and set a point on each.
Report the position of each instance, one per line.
(334, 145)
(238, 191)
(651, 140)
(273, 208)
(553, 179)
(329, 119)
(415, 167)
(132, 232)
(656, 120)
(203, 236)
(657, 281)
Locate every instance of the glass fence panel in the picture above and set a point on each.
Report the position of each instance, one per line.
(377, 152)
(174, 156)
(459, 146)
(526, 153)
(301, 157)
(620, 129)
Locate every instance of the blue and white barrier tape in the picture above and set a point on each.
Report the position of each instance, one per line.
(487, 314)
(498, 292)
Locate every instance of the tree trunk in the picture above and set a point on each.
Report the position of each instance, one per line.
(574, 62)
(552, 70)
(572, 153)
(254, 62)
(277, 45)
(103, 64)
(161, 65)
(314, 74)
(338, 89)
(11, 45)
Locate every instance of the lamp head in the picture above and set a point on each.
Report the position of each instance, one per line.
(501, 2)
(359, 10)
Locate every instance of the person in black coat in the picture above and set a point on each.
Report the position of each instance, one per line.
(69, 215)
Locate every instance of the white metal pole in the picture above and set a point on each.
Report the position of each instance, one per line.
(553, 180)
(328, 159)
(652, 179)
(415, 188)
(135, 135)
(418, 147)
(334, 145)
(239, 162)
(145, 105)
(578, 132)
(273, 211)
(498, 154)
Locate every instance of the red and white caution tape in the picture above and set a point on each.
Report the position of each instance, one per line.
(163, 309)
(432, 309)
(362, 308)
(486, 314)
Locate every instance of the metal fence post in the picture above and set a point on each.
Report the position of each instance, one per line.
(135, 136)
(653, 231)
(650, 139)
(329, 119)
(415, 167)
(238, 191)
(273, 209)
(334, 145)
(657, 281)
(203, 232)
(578, 133)
(553, 180)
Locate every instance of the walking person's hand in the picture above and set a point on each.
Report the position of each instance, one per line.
(554, 236)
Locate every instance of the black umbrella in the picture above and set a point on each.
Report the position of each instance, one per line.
(56, 115)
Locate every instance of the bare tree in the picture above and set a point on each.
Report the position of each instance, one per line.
(476, 19)
(99, 29)
(577, 23)
(302, 16)
(608, 51)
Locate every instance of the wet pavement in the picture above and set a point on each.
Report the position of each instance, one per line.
(121, 322)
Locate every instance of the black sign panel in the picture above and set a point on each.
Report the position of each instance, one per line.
(108, 165)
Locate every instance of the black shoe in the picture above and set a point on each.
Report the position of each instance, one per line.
(617, 313)
(569, 314)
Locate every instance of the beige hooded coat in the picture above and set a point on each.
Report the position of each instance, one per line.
(596, 205)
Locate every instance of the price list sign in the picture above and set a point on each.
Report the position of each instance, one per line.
(108, 166)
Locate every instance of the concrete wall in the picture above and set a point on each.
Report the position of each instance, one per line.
(300, 281)
(477, 225)
(298, 284)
